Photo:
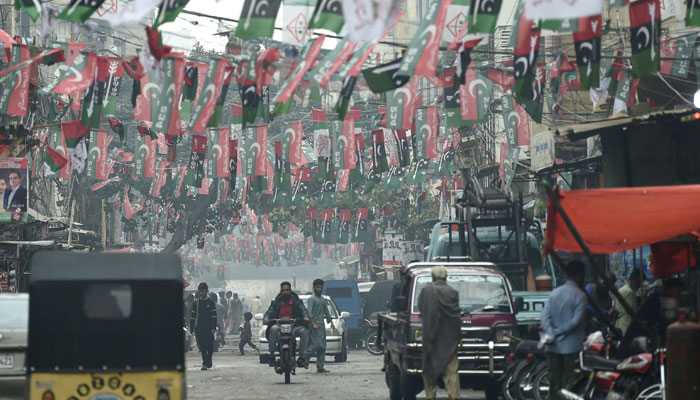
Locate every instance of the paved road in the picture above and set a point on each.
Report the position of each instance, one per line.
(243, 377)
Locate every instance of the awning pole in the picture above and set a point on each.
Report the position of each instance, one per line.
(609, 285)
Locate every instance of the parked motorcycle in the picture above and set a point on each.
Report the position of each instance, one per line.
(370, 339)
(286, 343)
(521, 362)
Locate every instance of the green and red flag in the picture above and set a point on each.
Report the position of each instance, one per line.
(216, 118)
(232, 164)
(331, 62)
(483, 15)
(400, 106)
(379, 160)
(206, 101)
(343, 133)
(98, 155)
(168, 11)
(626, 91)
(344, 219)
(115, 72)
(250, 99)
(117, 127)
(73, 132)
(676, 54)
(325, 234)
(384, 78)
(425, 134)
(301, 184)
(189, 90)
(14, 96)
(328, 15)
(645, 37)
(350, 71)
(265, 67)
(294, 135)
(93, 100)
(257, 18)
(359, 230)
(421, 57)
(692, 13)
(195, 166)
(309, 54)
(31, 7)
(80, 10)
(418, 172)
(283, 171)
(525, 60)
(328, 188)
(54, 159)
(587, 46)
(475, 97)
(465, 59)
(218, 153)
(402, 147)
(452, 93)
(255, 144)
(78, 77)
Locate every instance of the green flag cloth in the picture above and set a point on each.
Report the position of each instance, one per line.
(257, 18)
(168, 11)
(328, 14)
(80, 10)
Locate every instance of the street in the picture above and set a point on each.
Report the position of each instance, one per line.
(243, 377)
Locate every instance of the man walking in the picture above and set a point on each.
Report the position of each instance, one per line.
(439, 307)
(203, 324)
(255, 308)
(288, 305)
(564, 323)
(220, 318)
(318, 313)
(629, 293)
(235, 313)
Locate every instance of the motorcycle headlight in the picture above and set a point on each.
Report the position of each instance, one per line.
(504, 333)
(286, 328)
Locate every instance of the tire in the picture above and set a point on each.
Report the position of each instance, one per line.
(393, 380)
(508, 388)
(540, 385)
(522, 380)
(372, 348)
(286, 364)
(409, 386)
(492, 390)
(343, 356)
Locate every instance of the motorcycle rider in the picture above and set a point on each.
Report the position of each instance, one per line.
(287, 304)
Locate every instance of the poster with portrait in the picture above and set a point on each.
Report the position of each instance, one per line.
(392, 251)
(14, 190)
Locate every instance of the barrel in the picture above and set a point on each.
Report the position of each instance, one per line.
(543, 283)
(683, 361)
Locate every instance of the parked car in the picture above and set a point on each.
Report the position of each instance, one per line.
(336, 338)
(346, 295)
(14, 324)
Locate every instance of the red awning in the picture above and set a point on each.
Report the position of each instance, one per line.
(612, 220)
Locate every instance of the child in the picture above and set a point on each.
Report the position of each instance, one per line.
(246, 334)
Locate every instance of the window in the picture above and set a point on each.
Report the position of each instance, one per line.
(107, 301)
(339, 292)
(477, 293)
(15, 314)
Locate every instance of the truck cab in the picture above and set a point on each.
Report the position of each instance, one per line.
(488, 321)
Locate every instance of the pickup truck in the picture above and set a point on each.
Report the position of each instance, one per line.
(488, 321)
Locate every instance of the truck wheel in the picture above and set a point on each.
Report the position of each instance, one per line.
(393, 380)
(492, 390)
(409, 386)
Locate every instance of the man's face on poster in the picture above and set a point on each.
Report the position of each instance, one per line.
(15, 180)
(3, 185)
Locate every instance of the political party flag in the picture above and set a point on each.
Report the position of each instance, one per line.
(134, 11)
(587, 46)
(255, 150)
(73, 132)
(96, 166)
(456, 21)
(264, 104)
(379, 160)
(359, 230)
(568, 25)
(166, 113)
(418, 172)
(562, 9)
(117, 127)
(14, 96)
(293, 133)
(75, 79)
(328, 188)
(54, 159)
(511, 120)
(344, 219)
(400, 106)
(483, 15)
(257, 18)
(295, 21)
(692, 13)
(93, 100)
(232, 164)
(217, 117)
(218, 153)
(426, 133)
(308, 56)
(301, 184)
(626, 91)
(366, 20)
(325, 227)
(465, 59)
(676, 54)
(645, 36)
(168, 11)
(328, 14)
(383, 78)
(373, 179)
(395, 178)
(32, 7)
(421, 55)
(115, 72)
(475, 97)
(189, 91)
(525, 60)
(282, 169)
(265, 67)
(331, 62)
(445, 161)
(80, 10)
(195, 166)
(402, 147)
(206, 102)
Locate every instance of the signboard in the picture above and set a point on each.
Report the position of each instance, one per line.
(397, 251)
(14, 193)
(542, 150)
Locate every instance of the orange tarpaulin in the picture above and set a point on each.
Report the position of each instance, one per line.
(612, 220)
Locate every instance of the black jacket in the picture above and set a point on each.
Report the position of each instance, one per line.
(298, 308)
(203, 316)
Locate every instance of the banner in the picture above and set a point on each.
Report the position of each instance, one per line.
(14, 182)
(295, 21)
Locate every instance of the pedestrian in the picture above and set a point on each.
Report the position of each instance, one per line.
(287, 304)
(442, 320)
(318, 314)
(223, 301)
(245, 306)
(629, 293)
(255, 305)
(247, 334)
(220, 324)
(203, 324)
(563, 323)
(235, 313)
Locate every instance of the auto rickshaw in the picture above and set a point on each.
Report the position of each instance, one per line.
(105, 326)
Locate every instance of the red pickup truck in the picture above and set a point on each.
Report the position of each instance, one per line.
(488, 321)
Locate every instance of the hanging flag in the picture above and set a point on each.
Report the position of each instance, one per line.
(328, 14)
(452, 93)
(117, 127)
(265, 67)
(626, 91)
(232, 164)
(421, 55)
(331, 62)
(257, 18)
(360, 228)
(456, 21)
(379, 152)
(328, 187)
(301, 184)
(282, 168)
(474, 98)
(483, 15)
(14, 96)
(218, 153)
(587, 46)
(31, 7)
(418, 172)
(168, 11)
(93, 100)
(134, 11)
(206, 101)
(195, 167)
(54, 159)
(256, 154)
(322, 141)
(525, 60)
(80, 10)
(692, 13)
(295, 21)
(189, 91)
(73, 132)
(561, 9)
(250, 98)
(373, 179)
(217, 117)
(511, 120)
(676, 54)
(96, 166)
(426, 133)
(400, 106)
(76, 78)
(366, 20)
(645, 36)
(465, 59)
(115, 72)
(344, 217)
(383, 78)
(523, 125)
(402, 147)
(308, 55)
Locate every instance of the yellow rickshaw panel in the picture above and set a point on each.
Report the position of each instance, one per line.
(107, 386)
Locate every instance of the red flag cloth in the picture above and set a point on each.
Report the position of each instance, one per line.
(670, 258)
(612, 220)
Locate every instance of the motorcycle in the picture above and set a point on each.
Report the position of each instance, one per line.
(370, 339)
(521, 363)
(286, 343)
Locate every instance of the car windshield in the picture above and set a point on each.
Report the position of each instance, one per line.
(477, 293)
(331, 309)
(15, 314)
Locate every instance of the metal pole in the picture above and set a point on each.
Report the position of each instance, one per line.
(70, 226)
(554, 198)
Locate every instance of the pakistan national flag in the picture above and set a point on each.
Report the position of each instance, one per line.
(328, 14)
(32, 7)
(483, 15)
(168, 11)
(645, 35)
(587, 46)
(80, 10)
(257, 18)
(359, 230)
